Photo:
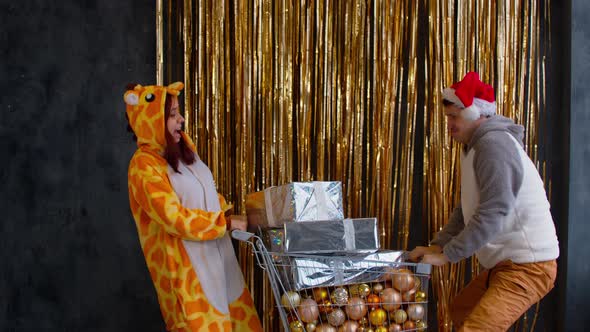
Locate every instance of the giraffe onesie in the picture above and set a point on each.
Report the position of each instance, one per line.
(169, 231)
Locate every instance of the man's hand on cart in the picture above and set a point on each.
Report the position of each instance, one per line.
(419, 252)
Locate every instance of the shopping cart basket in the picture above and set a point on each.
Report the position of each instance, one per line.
(354, 292)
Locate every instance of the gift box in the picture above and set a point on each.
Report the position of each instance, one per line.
(329, 236)
(294, 202)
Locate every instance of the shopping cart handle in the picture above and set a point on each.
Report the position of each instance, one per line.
(241, 235)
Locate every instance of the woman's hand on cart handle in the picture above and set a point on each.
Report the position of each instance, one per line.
(238, 222)
(418, 253)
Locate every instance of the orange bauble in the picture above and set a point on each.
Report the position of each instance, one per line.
(373, 301)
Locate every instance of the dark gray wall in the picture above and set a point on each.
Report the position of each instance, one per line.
(69, 253)
(578, 246)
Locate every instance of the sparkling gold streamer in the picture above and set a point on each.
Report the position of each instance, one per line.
(280, 91)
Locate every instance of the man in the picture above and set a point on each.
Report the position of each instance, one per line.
(503, 217)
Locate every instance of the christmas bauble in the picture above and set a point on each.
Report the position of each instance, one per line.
(336, 317)
(356, 308)
(403, 280)
(377, 317)
(310, 327)
(320, 294)
(381, 329)
(325, 306)
(364, 290)
(308, 310)
(296, 326)
(395, 328)
(390, 299)
(420, 296)
(349, 326)
(325, 328)
(421, 325)
(409, 295)
(339, 296)
(415, 311)
(373, 301)
(290, 300)
(409, 325)
(377, 288)
(400, 316)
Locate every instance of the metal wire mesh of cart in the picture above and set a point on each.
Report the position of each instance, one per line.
(353, 292)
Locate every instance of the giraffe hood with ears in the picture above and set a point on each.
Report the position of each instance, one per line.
(145, 110)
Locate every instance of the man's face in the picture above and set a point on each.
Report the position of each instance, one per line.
(459, 128)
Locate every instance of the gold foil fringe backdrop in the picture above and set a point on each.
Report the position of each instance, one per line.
(280, 91)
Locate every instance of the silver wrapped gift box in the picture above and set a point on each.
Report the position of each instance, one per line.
(298, 272)
(329, 236)
(293, 202)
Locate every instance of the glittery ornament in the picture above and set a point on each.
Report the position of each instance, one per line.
(377, 316)
(339, 296)
(296, 326)
(336, 317)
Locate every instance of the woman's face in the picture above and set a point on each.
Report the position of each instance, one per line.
(175, 121)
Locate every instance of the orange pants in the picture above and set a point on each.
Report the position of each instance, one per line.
(496, 298)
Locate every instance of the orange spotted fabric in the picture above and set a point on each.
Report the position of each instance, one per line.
(162, 223)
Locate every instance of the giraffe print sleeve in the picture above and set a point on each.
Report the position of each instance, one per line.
(154, 195)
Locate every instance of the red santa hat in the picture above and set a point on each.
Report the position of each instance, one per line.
(475, 97)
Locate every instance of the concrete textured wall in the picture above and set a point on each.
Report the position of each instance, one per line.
(69, 252)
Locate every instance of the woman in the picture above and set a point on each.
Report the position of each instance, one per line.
(181, 221)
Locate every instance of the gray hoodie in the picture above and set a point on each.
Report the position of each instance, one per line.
(504, 212)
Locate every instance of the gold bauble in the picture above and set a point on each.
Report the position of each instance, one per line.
(381, 329)
(403, 280)
(378, 316)
(420, 296)
(325, 306)
(353, 290)
(364, 321)
(377, 288)
(290, 300)
(364, 290)
(310, 327)
(320, 294)
(417, 282)
(400, 316)
(421, 325)
(409, 325)
(296, 326)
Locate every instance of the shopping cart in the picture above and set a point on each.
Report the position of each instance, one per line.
(354, 292)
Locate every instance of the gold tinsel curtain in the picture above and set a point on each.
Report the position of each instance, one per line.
(280, 91)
